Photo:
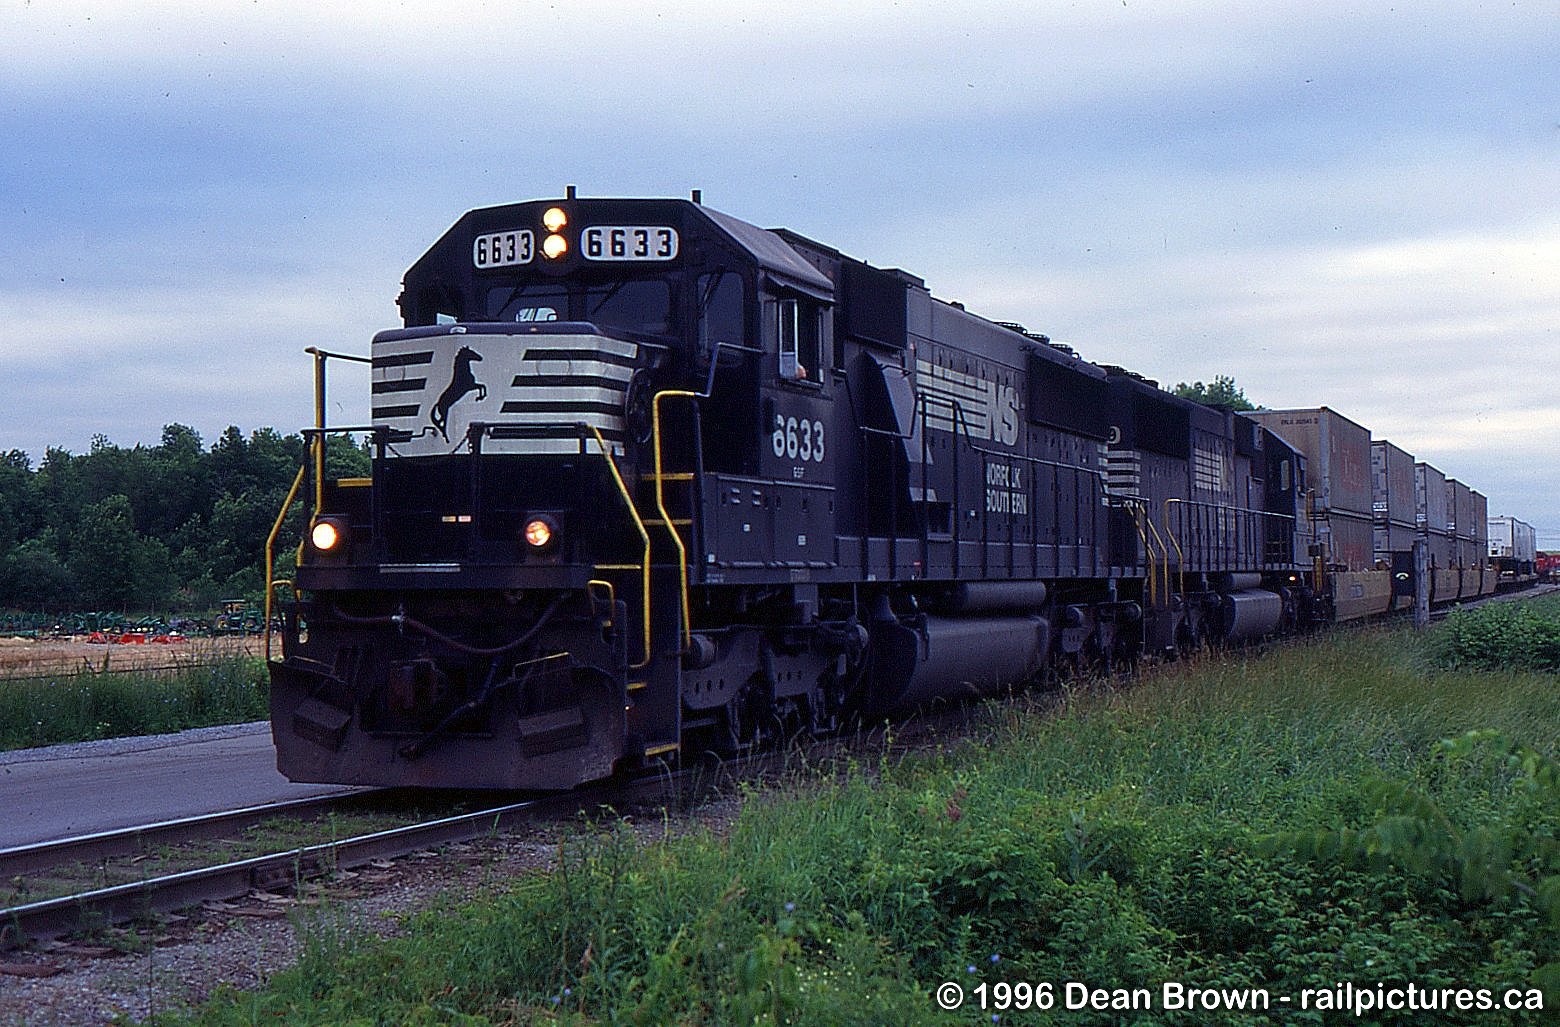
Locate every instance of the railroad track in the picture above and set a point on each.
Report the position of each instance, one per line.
(1531, 592)
(22, 860)
(284, 870)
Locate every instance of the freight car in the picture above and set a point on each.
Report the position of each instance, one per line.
(649, 481)
(1513, 551)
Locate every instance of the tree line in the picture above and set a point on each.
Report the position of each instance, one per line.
(180, 526)
(175, 527)
(1222, 392)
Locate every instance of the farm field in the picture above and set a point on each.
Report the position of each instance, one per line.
(26, 657)
(73, 690)
(1307, 830)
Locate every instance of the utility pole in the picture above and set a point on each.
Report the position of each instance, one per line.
(1421, 584)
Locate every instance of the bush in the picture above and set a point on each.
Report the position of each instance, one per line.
(1501, 636)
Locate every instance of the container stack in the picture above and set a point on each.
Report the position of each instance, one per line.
(1459, 501)
(1512, 546)
(1432, 514)
(1338, 465)
(1481, 528)
(1393, 507)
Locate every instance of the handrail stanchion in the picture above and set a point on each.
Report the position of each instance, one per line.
(270, 553)
(644, 538)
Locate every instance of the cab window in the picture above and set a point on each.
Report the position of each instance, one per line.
(721, 303)
(800, 340)
(643, 306)
(527, 304)
(635, 305)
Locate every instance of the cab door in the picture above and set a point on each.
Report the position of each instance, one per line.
(784, 514)
(796, 455)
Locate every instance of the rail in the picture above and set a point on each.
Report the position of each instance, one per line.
(321, 356)
(686, 630)
(686, 606)
(51, 918)
(316, 440)
(100, 845)
(1145, 525)
(1164, 552)
(317, 444)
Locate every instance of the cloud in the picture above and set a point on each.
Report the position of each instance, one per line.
(1437, 342)
(129, 362)
(811, 65)
(1340, 203)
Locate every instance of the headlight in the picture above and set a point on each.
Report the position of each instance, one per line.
(328, 534)
(554, 219)
(554, 246)
(540, 532)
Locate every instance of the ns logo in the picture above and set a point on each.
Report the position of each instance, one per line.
(1002, 401)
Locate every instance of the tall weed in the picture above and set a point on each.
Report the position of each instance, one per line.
(81, 706)
(1118, 840)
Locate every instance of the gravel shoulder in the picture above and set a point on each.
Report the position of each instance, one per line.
(132, 744)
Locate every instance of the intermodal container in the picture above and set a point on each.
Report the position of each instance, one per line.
(1431, 514)
(1337, 452)
(1393, 506)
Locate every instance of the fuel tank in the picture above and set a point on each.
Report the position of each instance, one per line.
(951, 658)
(1251, 613)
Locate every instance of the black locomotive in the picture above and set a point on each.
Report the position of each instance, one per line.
(649, 481)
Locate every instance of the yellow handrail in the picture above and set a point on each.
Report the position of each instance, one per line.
(270, 553)
(644, 536)
(1144, 528)
(660, 505)
(1180, 557)
(278, 583)
(319, 426)
(1148, 551)
(595, 583)
(1164, 552)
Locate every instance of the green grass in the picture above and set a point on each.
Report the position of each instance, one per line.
(1127, 840)
(79, 706)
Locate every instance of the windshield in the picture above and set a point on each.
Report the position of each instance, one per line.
(640, 305)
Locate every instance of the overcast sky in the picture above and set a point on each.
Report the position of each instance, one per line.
(1349, 204)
